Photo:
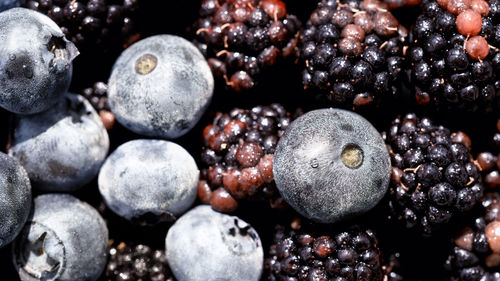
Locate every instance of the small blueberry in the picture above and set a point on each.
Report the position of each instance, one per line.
(35, 61)
(64, 239)
(160, 86)
(62, 148)
(205, 245)
(149, 181)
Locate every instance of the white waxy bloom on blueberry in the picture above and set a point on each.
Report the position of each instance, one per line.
(15, 198)
(160, 86)
(63, 148)
(149, 181)
(331, 165)
(205, 245)
(64, 239)
(35, 61)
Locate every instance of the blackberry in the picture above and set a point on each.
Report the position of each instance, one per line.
(489, 165)
(97, 95)
(238, 154)
(433, 175)
(93, 24)
(454, 57)
(137, 262)
(353, 52)
(475, 253)
(242, 38)
(317, 254)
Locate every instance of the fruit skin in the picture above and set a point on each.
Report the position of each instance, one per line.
(172, 94)
(206, 245)
(149, 181)
(8, 4)
(35, 77)
(311, 176)
(15, 198)
(62, 148)
(64, 239)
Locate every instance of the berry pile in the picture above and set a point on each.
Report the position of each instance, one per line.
(250, 140)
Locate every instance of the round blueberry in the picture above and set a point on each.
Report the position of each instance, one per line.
(149, 181)
(62, 148)
(204, 245)
(15, 198)
(160, 86)
(64, 239)
(331, 164)
(8, 4)
(35, 61)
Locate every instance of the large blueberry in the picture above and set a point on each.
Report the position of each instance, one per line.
(15, 198)
(62, 148)
(64, 239)
(331, 164)
(35, 61)
(204, 245)
(160, 86)
(8, 4)
(149, 181)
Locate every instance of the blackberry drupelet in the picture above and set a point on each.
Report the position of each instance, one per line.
(323, 255)
(93, 24)
(237, 156)
(139, 262)
(433, 175)
(243, 38)
(353, 52)
(489, 166)
(454, 55)
(475, 254)
(97, 95)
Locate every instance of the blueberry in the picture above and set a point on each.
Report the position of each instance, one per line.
(64, 239)
(35, 61)
(160, 86)
(62, 148)
(15, 198)
(149, 181)
(331, 164)
(8, 4)
(204, 245)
